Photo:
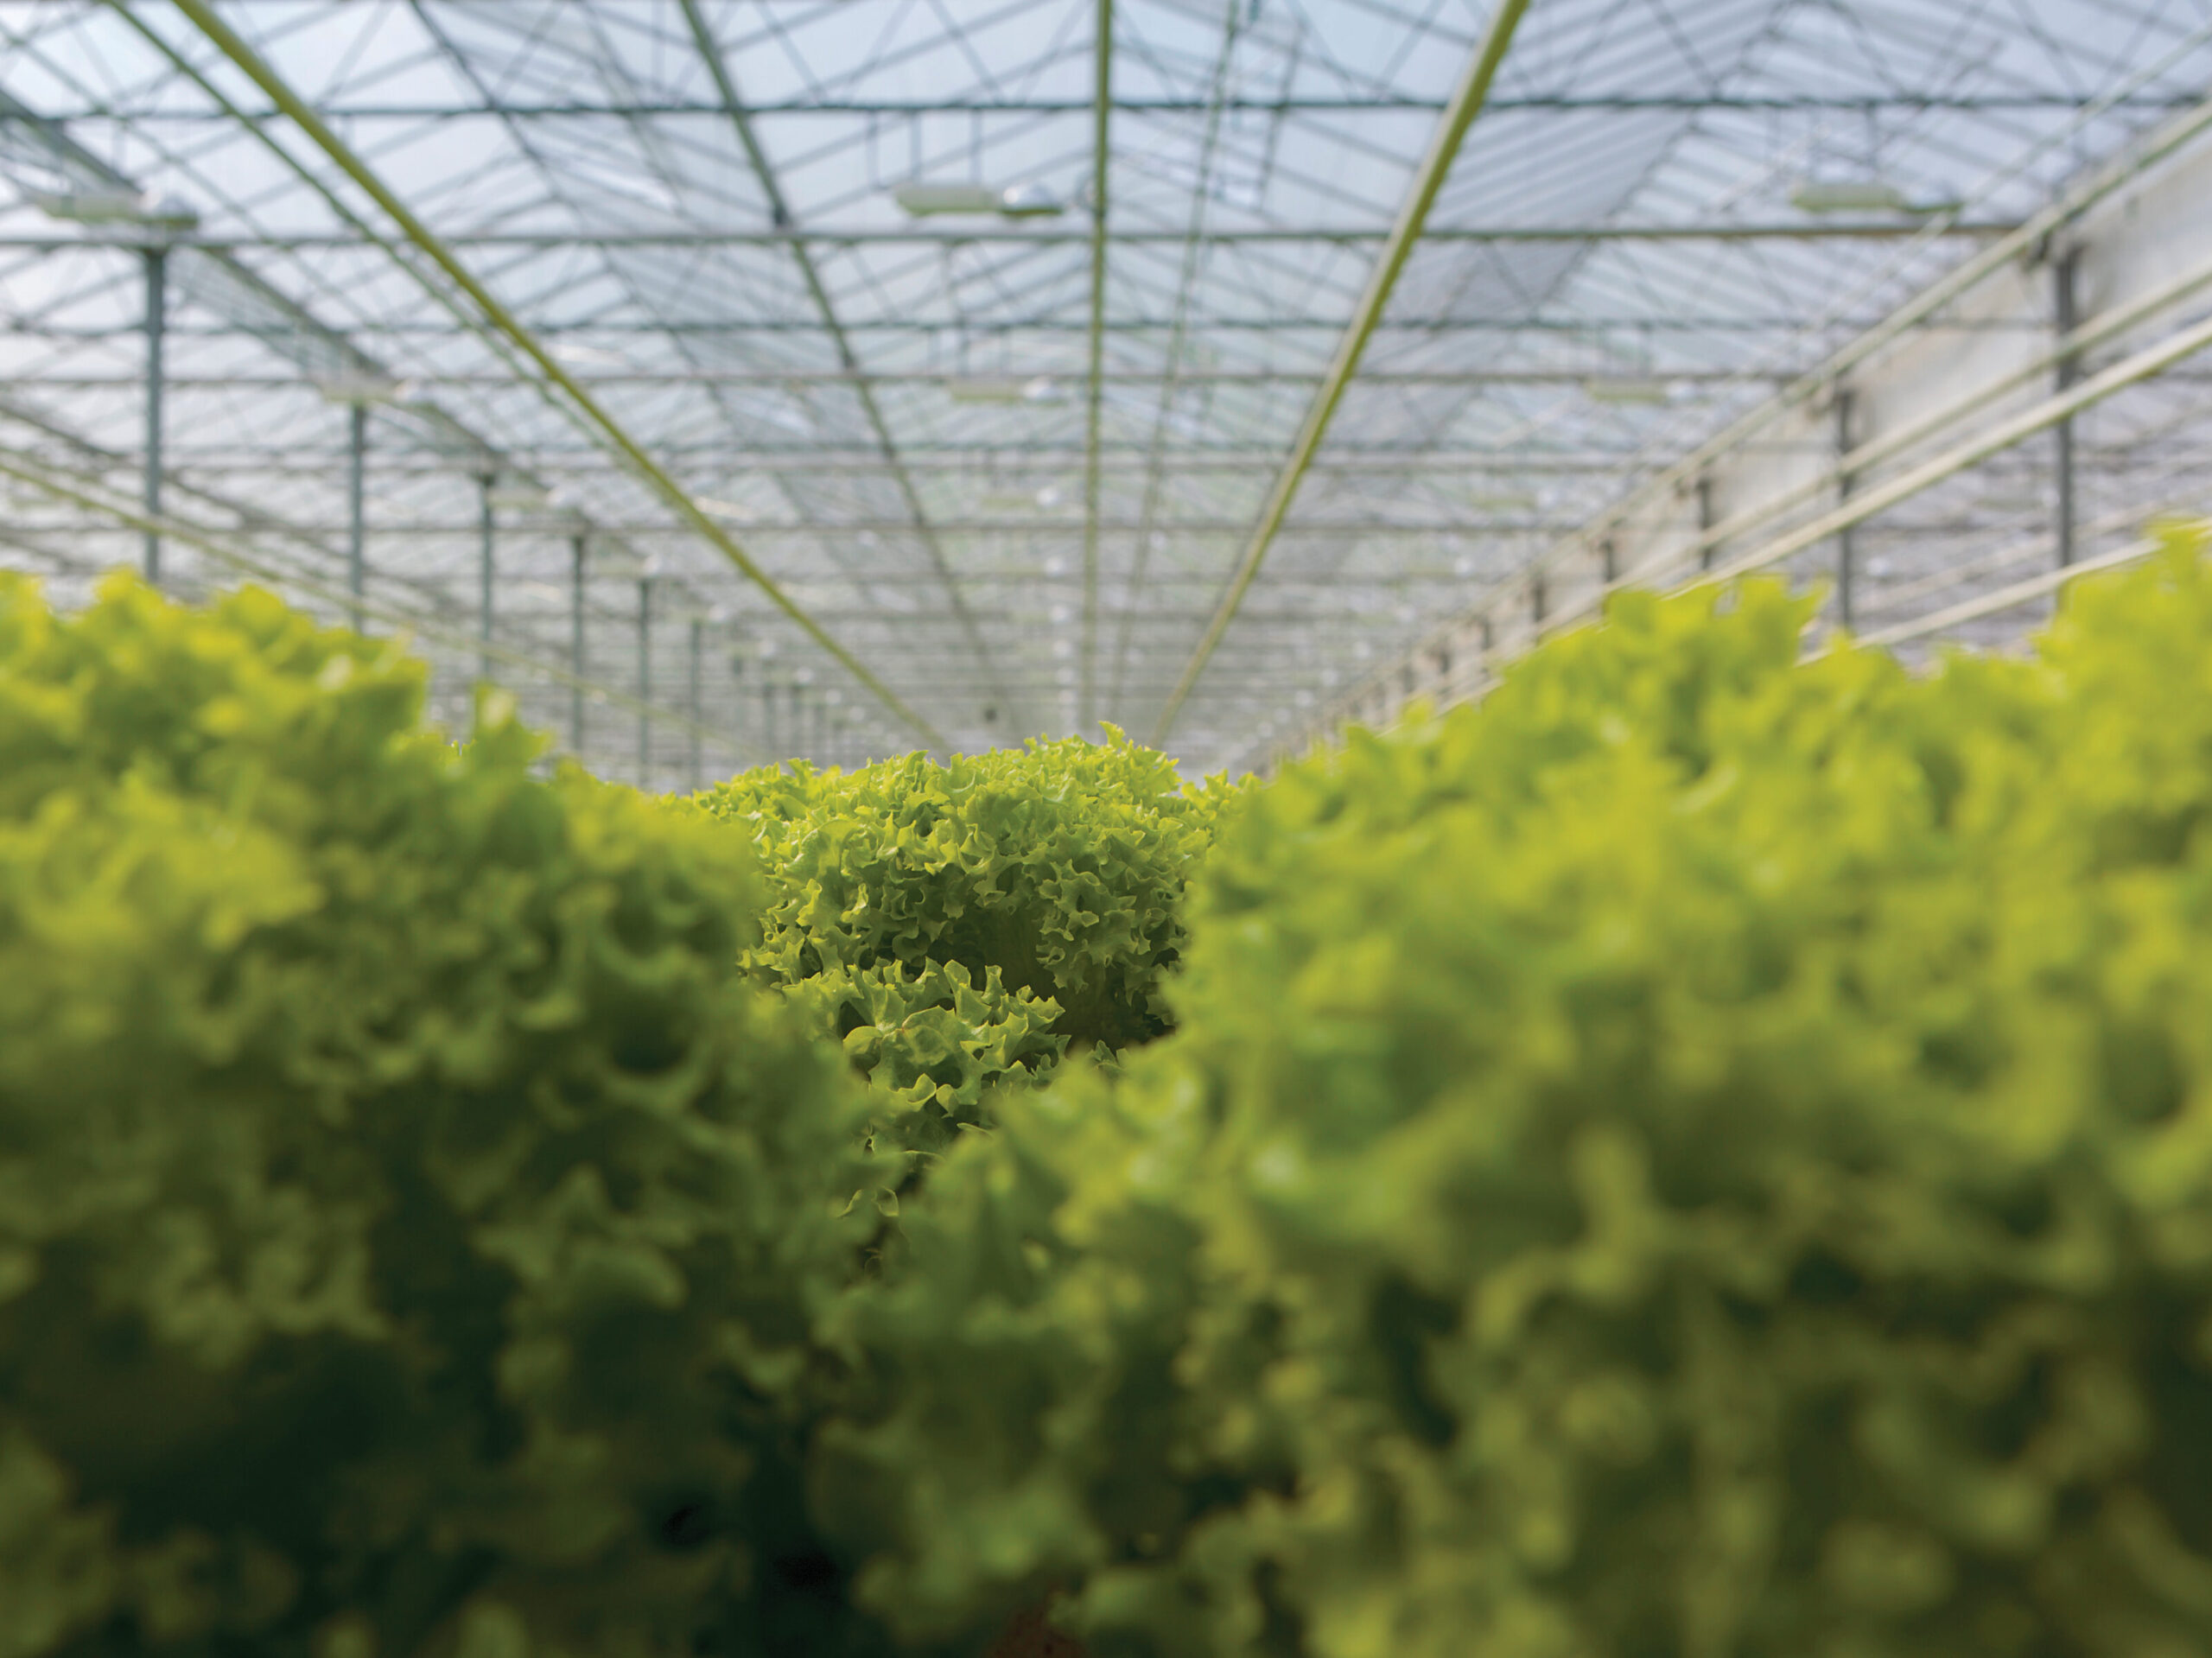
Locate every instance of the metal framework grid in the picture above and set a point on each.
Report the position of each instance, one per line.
(792, 377)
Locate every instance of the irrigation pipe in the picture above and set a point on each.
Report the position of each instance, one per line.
(1857, 462)
(2128, 371)
(1988, 604)
(234, 46)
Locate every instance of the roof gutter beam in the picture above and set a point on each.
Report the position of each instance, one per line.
(1459, 114)
(256, 68)
(1964, 104)
(1004, 235)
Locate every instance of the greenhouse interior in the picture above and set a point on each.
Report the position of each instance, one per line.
(1106, 829)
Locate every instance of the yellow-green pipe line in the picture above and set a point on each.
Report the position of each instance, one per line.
(295, 108)
(1467, 99)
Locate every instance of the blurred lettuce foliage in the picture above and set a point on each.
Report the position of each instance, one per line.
(1701, 1154)
(410, 1218)
(961, 927)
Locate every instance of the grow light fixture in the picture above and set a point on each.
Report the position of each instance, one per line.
(1040, 388)
(1866, 195)
(573, 351)
(365, 388)
(715, 508)
(1625, 389)
(133, 208)
(921, 200)
(517, 495)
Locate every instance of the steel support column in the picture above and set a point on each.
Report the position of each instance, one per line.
(2064, 272)
(357, 453)
(1843, 539)
(1705, 519)
(698, 752)
(484, 573)
(644, 678)
(576, 644)
(157, 262)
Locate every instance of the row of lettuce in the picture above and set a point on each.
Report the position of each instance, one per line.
(1709, 1155)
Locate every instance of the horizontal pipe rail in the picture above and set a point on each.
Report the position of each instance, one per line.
(28, 470)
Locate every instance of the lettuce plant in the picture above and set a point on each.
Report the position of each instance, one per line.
(1699, 1155)
(961, 927)
(411, 1220)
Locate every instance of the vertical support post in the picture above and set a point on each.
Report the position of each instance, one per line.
(483, 576)
(1609, 562)
(356, 458)
(1705, 520)
(645, 677)
(1536, 596)
(2067, 318)
(698, 756)
(1844, 549)
(771, 733)
(576, 644)
(157, 265)
(1102, 104)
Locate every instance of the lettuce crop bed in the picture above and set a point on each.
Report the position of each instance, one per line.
(1705, 1155)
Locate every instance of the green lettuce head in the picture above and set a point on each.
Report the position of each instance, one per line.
(1701, 1154)
(410, 1219)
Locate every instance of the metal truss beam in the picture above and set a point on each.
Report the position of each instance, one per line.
(1466, 103)
(1002, 326)
(1015, 235)
(860, 379)
(1071, 529)
(1628, 104)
